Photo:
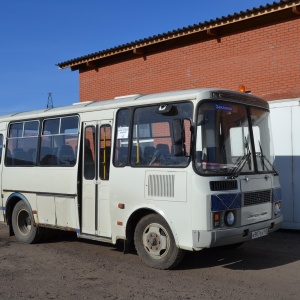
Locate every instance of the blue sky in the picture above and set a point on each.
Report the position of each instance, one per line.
(35, 35)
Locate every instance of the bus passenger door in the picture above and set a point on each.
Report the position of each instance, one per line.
(95, 179)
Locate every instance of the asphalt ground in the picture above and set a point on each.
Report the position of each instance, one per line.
(64, 267)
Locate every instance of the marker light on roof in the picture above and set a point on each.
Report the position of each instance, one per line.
(242, 88)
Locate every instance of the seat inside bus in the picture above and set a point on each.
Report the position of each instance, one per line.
(47, 157)
(164, 149)
(65, 155)
(19, 157)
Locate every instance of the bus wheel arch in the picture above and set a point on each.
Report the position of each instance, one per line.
(20, 219)
(133, 221)
(154, 240)
(11, 202)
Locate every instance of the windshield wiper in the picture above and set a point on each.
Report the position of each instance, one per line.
(239, 167)
(263, 159)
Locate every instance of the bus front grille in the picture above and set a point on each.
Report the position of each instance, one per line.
(223, 185)
(259, 197)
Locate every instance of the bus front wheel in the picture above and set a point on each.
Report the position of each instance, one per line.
(155, 244)
(23, 224)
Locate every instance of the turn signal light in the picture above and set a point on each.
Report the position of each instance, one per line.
(216, 217)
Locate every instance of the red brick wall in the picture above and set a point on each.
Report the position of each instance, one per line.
(266, 60)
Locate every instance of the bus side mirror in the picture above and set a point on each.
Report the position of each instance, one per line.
(178, 138)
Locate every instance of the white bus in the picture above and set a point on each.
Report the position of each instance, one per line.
(168, 172)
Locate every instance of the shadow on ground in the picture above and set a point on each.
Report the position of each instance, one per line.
(279, 248)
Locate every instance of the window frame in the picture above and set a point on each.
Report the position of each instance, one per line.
(130, 138)
(7, 158)
(18, 138)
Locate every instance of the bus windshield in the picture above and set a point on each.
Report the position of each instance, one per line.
(227, 143)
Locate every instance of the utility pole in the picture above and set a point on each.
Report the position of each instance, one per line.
(50, 102)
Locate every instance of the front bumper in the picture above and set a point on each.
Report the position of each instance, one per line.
(221, 237)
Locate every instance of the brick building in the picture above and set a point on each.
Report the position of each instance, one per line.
(258, 48)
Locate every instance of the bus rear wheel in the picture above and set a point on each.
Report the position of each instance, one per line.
(155, 244)
(23, 224)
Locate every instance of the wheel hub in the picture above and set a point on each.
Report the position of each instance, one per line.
(28, 221)
(153, 241)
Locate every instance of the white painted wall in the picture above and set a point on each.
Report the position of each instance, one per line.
(285, 119)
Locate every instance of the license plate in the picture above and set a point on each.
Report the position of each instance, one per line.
(259, 233)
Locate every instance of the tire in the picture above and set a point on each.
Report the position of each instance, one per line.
(155, 244)
(23, 224)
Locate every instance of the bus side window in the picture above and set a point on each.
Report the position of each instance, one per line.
(59, 141)
(22, 142)
(65, 155)
(89, 153)
(105, 149)
(121, 156)
(121, 139)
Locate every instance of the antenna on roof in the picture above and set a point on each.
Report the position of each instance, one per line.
(50, 101)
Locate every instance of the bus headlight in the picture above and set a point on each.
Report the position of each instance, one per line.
(229, 218)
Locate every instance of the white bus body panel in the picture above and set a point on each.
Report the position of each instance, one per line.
(131, 187)
(54, 197)
(285, 118)
(41, 180)
(58, 211)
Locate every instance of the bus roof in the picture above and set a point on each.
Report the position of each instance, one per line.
(118, 102)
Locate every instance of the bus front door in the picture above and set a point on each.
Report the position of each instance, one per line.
(95, 216)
